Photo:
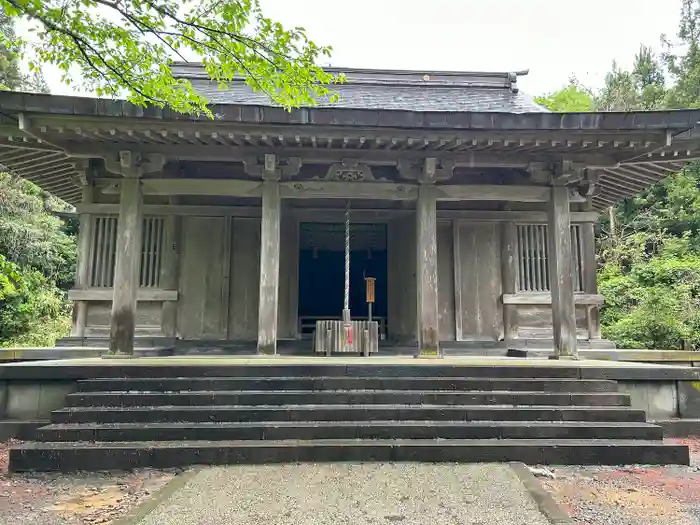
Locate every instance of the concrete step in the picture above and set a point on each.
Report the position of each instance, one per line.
(177, 384)
(314, 430)
(66, 457)
(330, 412)
(351, 397)
(332, 368)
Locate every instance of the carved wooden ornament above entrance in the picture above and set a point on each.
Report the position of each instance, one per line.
(349, 170)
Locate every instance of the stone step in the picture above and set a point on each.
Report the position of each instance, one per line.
(395, 412)
(343, 383)
(331, 368)
(73, 456)
(314, 430)
(352, 397)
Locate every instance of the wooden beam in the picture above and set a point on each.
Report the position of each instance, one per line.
(219, 187)
(529, 217)
(269, 258)
(106, 294)
(367, 214)
(561, 274)
(631, 188)
(170, 270)
(631, 175)
(457, 269)
(426, 274)
(491, 192)
(590, 282)
(509, 276)
(544, 298)
(348, 190)
(126, 270)
(82, 274)
(342, 190)
(219, 153)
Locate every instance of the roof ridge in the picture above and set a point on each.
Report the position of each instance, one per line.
(388, 77)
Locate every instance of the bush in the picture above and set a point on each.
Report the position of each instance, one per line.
(33, 311)
(652, 296)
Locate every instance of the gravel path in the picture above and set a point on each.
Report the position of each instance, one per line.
(635, 495)
(352, 494)
(77, 499)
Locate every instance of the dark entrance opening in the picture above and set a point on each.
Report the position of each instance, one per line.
(322, 272)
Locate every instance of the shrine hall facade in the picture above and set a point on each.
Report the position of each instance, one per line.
(471, 207)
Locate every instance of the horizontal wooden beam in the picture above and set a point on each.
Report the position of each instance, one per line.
(105, 294)
(223, 187)
(496, 192)
(522, 217)
(341, 190)
(220, 153)
(143, 124)
(168, 209)
(545, 298)
(333, 213)
(348, 190)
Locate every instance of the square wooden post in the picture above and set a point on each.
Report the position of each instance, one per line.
(82, 274)
(426, 272)
(126, 270)
(269, 258)
(590, 281)
(561, 274)
(170, 270)
(509, 276)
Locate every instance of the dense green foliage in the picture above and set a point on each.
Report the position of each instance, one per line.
(127, 47)
(649, 254)
(37, 265)
(37, 249)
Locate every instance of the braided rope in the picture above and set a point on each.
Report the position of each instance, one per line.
(346, 298)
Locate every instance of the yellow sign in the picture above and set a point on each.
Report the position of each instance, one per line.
(370, 288)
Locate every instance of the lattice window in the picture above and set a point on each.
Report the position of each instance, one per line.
(533, 252)
(103, 251)
(104, 247)
(151, 250)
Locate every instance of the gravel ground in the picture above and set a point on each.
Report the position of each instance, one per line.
(351, 494)
(637, 495)
(80, 499)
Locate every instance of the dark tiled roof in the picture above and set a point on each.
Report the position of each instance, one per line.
(393, 90)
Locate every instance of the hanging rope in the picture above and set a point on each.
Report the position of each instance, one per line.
(346, 298)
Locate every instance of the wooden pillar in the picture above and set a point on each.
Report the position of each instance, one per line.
(426, 271)
(82, 275)
(269, 258)
(561, 274)
(509, 275)
(126, 270)
(590, 281)
(170, 269)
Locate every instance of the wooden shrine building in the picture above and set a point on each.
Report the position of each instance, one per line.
(471, 207)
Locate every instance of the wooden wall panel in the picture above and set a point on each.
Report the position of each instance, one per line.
(288, 304)
(402, 298)
(244, 296)
(535, 322)
(480, 275)
(446, 289)
(202, 308)
(147, 318)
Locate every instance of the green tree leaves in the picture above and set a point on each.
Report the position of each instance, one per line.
(37, 261)
(649, 268)
(126, 47)
(573, 97)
